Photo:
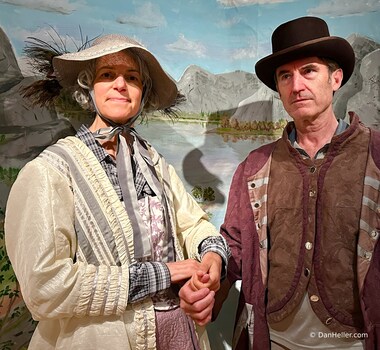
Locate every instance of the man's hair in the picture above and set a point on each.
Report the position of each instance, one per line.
(331, 64)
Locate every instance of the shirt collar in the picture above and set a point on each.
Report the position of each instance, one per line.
(342, 126)
(86, 136)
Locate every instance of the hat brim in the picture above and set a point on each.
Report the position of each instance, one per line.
(334, 48)
(68, 66)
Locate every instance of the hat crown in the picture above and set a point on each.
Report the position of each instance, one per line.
(297, 32)
(115, 38)
(304, 37)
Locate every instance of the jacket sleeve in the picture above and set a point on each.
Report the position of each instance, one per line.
(231, 229)
(41, 244)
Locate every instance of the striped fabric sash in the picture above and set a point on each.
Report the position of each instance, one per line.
(103, 228)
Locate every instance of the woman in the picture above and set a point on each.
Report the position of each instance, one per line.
(99, 228)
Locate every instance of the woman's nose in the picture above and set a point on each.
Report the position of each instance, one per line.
(120, 82)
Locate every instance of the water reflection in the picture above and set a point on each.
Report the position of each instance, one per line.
(200, 157)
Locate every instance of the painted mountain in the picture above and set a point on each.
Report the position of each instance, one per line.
(247, 99)
(209, 93)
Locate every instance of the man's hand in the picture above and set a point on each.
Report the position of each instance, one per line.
(183, 269)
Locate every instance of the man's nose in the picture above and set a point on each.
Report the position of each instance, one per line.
(297, 82)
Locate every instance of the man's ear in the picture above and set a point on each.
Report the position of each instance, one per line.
(336, 79)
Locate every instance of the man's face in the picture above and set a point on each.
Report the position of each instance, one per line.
(306, 87)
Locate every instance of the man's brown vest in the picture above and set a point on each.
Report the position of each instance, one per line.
(313, 219)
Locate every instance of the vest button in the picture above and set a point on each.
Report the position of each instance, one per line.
(312, 193)
(308, 245)
(314, 298)
(328, 320)
(306, 272)
(313, 169)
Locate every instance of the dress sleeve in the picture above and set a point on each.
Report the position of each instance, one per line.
(217, 245)
(146, 279)
(41, 244)
(192, 223)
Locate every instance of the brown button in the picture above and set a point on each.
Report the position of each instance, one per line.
(313, 169)
(328, 320)
(314, 298)
(257, 205)
(306, 272)
(308, 245)
(253, 185)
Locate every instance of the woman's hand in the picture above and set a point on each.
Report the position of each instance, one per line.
(209, 274)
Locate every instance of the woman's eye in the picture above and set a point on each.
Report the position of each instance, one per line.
(107, 75)
(133, 78)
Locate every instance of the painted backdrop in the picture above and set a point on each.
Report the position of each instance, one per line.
(209, 47)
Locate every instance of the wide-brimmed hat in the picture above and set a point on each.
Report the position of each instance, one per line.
(69, 65)
(304, 37)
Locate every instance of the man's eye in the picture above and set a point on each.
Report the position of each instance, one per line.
(284, 77)
(309, 70)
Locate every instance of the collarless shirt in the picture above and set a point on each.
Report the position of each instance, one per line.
(342, 126)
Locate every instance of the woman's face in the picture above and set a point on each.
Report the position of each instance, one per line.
(118, 86)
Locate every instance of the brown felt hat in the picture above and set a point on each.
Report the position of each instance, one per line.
(304, 37)
(69, 65)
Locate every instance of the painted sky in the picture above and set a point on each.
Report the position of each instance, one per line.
(217, 35)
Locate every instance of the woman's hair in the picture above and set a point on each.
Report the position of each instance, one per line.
(86, 82)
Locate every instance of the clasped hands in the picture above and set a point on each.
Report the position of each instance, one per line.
(203, 281)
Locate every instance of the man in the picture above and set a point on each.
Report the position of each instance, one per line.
(303, 216)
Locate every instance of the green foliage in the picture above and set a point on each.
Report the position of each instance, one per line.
(253, 127)
(206, 194)
(197, 192)
(16, 323)
(8, 175)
